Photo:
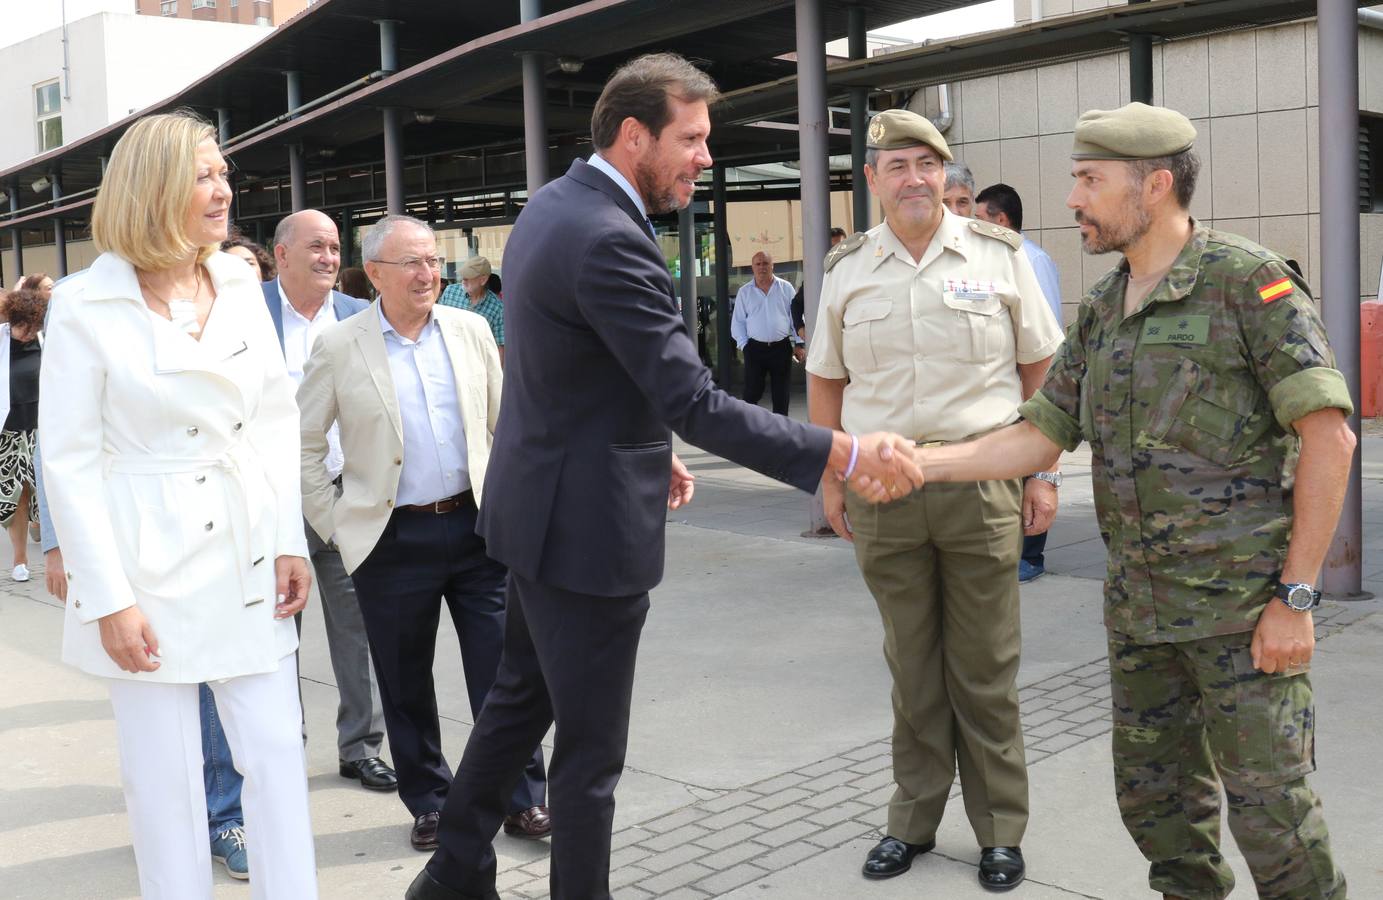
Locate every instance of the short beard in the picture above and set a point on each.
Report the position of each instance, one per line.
(657, 198)
(1116, 237)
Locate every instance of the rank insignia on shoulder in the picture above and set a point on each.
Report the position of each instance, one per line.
(845, 248)
(1280, 288)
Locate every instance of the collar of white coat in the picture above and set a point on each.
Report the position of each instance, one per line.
(112, 277)
(950, 235)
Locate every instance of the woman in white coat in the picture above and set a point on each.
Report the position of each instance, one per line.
(170, 457)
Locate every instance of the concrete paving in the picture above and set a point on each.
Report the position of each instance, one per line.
(758, 762)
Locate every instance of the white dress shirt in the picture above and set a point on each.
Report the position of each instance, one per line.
(599, 162)
(764, 316)
(434, 439)
(299, 334)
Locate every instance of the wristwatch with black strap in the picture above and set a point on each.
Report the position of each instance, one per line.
(1297, 596)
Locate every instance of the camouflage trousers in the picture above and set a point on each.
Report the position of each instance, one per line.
(1190, 716)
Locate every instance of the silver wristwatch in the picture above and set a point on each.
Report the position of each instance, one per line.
(1052, 478)
(1299, 597)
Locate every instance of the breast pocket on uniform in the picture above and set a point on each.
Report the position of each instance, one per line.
(863, 335)
(979, 323)
(1204, 413)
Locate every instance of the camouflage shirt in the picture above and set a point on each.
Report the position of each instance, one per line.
(1188, 406)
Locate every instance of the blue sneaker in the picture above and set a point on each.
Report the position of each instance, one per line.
(228, 848)
(1028, 572)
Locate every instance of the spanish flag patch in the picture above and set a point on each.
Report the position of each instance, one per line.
(1280, 288)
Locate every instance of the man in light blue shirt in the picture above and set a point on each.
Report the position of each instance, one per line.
(762, 328)
(1001, 205)
(414, 389)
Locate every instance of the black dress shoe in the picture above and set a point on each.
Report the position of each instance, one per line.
(424, 833)
(892, 857)
(372, 772)
(425, 887)
(1001, 868)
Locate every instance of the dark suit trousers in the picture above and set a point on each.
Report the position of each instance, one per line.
(423, 559)
(568, 658)
(768, 361)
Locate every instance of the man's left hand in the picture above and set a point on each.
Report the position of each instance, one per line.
(681, 487)
(1039, 506)
(1283, 640)
(799, 353)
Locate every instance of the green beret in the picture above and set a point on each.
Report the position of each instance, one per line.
(894, 129)
(474, 268)
(1135, 131)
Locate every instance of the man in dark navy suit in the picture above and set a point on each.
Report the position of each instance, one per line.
(599, 367)
(302, 303)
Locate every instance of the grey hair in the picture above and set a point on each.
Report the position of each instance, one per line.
(375, 237)
(1184, 166)
(871, 158)
(958, 174)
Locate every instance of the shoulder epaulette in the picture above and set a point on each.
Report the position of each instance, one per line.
(997, 232)
(845, 248)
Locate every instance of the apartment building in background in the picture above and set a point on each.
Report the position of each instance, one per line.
(239, 12)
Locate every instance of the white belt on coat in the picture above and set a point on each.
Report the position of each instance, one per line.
(230, 463)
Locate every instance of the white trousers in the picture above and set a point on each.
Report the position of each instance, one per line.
(159, 730)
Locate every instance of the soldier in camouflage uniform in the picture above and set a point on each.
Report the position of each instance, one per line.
(1200, 373)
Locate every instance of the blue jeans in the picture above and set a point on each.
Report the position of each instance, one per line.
(223, 782)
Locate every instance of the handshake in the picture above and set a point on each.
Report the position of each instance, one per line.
(880, 467)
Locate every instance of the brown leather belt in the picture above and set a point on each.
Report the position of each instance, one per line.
(450, 504)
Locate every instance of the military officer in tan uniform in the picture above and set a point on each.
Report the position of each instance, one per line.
(935, 326)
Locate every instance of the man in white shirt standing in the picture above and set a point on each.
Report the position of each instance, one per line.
(762, 329)
(302, 303)
(1001, 205)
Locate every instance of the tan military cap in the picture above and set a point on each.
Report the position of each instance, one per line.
(1135, 131)
(474, 268)
(894, 129)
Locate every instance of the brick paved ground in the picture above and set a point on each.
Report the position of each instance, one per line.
(711, 847)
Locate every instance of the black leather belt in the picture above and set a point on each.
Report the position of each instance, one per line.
(450, 504)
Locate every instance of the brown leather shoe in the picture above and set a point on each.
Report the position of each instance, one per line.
(531, 823)
(424, 833)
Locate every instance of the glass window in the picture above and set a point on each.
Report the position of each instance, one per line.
(168, 8)
(263, 20)
(203, 4)
(48, 115)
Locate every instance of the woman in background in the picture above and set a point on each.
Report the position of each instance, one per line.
(255, 256)
(24, 310)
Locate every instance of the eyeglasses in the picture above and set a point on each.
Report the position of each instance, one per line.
(414, 263)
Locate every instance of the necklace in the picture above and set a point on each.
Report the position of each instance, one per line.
(181, 312)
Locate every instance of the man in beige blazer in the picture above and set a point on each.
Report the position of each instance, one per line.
(414, 388)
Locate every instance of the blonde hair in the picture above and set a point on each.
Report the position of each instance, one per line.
(141, 207)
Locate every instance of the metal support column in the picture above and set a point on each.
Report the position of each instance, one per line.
(393, 161)
(297, 177)
(1338, 58)
(17, 234)
(59, 227)
(223, 124)
(859, 122)
(295, 90)
(813, 123)
(388, 46)
(725, 345)
(686, 237)
(1140, 68)
(534, 105)
(347, 244)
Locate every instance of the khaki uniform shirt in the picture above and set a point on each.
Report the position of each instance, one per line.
(931, 348)
(1188, 406)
